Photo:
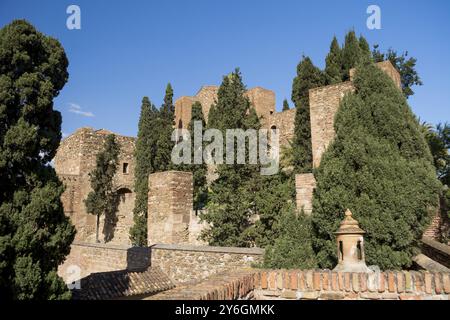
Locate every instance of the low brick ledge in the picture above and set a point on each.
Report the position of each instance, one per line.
(232, 285)
(314, 285)
(186, 247)
(328, 285)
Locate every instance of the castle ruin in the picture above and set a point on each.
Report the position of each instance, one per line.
(171, 215)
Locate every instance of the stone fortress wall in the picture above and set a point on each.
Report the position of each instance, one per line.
(76, 158)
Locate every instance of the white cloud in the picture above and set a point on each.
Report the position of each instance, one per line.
(76, 108)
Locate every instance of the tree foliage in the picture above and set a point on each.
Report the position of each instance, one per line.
(165, 125)
(292, 249)
(145, 157)
(103, 198)
(404, 64)
(231, 199)
(35, 235)
(285, 105)
(308, 77)
(380, 167)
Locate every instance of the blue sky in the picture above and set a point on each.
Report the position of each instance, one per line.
(129, 49)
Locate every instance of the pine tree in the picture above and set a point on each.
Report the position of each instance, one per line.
(144, 155)
(35, 235)
(293, 248)
(333, 68)
(231, 197)
(285, 105)
(351, 54)
(379, 167)
(165, 124)
(308, 77)
(102, 200)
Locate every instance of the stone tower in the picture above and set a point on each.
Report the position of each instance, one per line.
(74, 160)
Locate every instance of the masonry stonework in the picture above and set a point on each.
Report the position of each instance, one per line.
(304, 186)
(170, 202)
(75, 159)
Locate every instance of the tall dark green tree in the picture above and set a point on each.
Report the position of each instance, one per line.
(102, 200)
(380, 167)
(285, 105)
(231, 199)
(308, 77)
(292, 249)
(333, 63)
(35, 235)
(199, 171)
(351, 54)
(165, 125)
(144, 155)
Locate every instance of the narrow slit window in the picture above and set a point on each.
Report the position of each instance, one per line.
(125, 168)
(341, 250)
(358, 250)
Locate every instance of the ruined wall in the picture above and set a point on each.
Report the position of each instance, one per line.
(304, 186)
(188, 263)
(170, 201)
(96, 257)
(75, 159)
(284, 122)
(324, 103)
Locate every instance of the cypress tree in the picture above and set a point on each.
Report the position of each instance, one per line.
(351, 54)
(144, 155)
(165, 124)
(366, 54)
(199, 171)
(102, 200)
(231, 198)
(293, 248)
(308, 77)
(334, 63)
(379, 166)
(35, 235)
(285, 105)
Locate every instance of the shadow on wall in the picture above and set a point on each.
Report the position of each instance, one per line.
(111, 217)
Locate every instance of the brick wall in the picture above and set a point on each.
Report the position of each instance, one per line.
(188, 264)
(327, 285)
(316, 285)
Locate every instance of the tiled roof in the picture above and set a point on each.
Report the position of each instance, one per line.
(123, 283)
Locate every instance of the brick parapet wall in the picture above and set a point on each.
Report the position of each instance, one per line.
(189, 264)
(328, 285)
(315, 285)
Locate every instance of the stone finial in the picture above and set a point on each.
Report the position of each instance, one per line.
(350, 246)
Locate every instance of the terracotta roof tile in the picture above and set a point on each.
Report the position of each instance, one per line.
(123, 283)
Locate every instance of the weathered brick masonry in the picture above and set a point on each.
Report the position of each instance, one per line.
(316, 285)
